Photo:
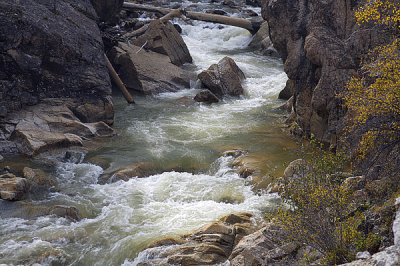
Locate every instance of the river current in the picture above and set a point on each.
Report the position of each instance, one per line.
(198, 186)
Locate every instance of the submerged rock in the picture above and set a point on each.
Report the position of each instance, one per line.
(163, 38)
(141, 169)
(148, 72)
(224, 78)
(206, 96)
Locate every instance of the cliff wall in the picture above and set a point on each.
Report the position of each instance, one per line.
(321, 47)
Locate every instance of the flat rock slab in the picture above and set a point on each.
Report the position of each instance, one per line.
(148, 72)
(52, 125)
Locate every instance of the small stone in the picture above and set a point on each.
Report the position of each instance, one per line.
(363, 255)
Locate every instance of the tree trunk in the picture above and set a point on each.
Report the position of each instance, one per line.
(253, 27)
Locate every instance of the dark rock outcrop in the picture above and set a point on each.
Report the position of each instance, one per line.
(51, 49)
(148, 72)
(163, 38)
(224, 78)
(321, 47)
(206, 96)
(107, 9)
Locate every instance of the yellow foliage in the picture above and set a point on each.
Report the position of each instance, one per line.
(373, 98)
(385, 12)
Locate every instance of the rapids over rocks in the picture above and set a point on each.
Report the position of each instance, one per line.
(197, 184)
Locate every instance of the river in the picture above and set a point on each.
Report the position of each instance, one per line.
(198, 186)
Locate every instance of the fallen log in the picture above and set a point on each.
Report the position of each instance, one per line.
(252, 27)
(173, 14)
(118, 81)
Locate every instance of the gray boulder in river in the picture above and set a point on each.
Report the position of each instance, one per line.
(224, 78)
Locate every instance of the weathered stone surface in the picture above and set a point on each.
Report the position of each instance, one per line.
(148, 72)
(224, 78)
(49, 49)
(263, 247)
(12, 187)
(321, 47)
(209, 245)
(106, 9)
(163, 38)
(52, 124)
(206, 96)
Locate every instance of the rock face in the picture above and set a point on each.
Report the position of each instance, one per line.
(148, 72)
(224, 78)
(106, 9)
(321, 48)
(163, 38)
(51, 49)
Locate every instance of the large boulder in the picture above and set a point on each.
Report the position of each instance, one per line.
(107, 9)
(321, 47)
(50, 49)
(162, 37)
(224, 78)
(148, 72)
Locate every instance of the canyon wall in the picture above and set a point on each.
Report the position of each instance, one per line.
(321, 47)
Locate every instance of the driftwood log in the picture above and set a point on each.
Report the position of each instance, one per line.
(175, 13)
(119, 82)
(252, 27)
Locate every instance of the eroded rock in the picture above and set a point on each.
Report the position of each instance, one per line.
(106, 9)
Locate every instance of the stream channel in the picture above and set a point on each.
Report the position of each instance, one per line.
(198, 185)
